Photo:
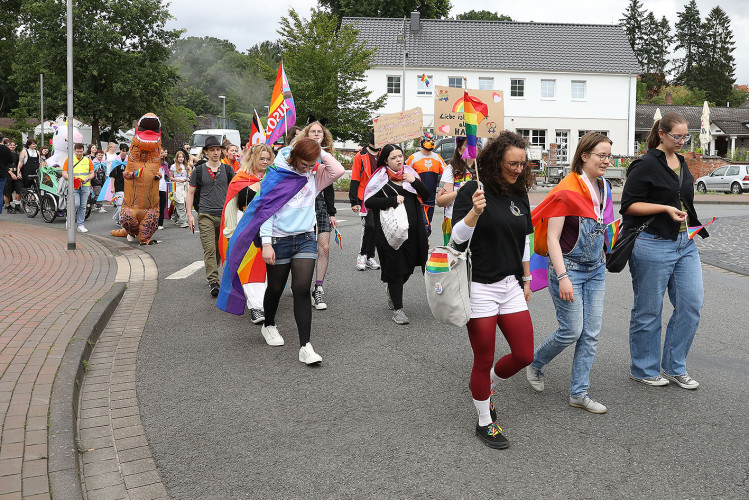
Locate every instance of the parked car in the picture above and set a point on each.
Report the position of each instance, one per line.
(728, 178)
(445, 148)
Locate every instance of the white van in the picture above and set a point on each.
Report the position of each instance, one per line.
(198, 138)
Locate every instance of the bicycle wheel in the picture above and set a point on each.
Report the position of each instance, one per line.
(30, 203)
(49, 208)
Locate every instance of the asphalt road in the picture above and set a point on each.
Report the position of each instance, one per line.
(388, 414)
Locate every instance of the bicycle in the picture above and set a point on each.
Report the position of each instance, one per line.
(31, 197)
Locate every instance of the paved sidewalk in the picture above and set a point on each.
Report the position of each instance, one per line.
(116, 461)
(47, 292)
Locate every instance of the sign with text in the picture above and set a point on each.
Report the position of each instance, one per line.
(398, 127)
(448, 111)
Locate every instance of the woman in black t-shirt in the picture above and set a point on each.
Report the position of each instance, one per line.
(498, 219)
(398, 184)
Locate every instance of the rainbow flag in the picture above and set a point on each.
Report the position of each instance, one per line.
(692, 231)
(278, 186)
(474, 112)
(338, 238)
(438, 263)
(282, 113)
(538, 268)
(425, 80)
(612, 234)
(137, 173)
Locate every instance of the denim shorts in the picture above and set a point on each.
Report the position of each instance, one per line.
(298, 246)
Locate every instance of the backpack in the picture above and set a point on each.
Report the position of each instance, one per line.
(199, 184)
(100, 175)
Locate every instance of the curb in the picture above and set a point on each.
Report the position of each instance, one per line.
(64, 479)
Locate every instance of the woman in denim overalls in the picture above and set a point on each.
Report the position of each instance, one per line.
(577, 280)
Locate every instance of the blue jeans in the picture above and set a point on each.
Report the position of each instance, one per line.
(80, 197)
(580, 320)
(2, 190)
(659, 264)
(297, 246)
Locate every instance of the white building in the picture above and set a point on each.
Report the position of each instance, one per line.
(559, 80)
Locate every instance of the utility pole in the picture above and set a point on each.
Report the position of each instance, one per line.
(71, 155)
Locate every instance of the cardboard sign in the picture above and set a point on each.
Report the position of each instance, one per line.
(398, 127)
(448, 111)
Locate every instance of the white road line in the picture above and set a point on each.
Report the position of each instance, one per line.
(186, 271)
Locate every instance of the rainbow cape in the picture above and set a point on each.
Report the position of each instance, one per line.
(240, 181)
(692, 231)
(278, 186)
(474, 112)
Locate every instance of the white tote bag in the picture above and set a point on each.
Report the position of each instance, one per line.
(394, 222)
(448, 285)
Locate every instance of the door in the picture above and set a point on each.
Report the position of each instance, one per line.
(716, 182)
(732, 175)
(562, 138)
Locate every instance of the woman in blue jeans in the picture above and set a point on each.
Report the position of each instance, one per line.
(576, 213)
(660, 186)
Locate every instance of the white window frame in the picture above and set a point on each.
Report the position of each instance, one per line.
(562, 159)
(585, 90)
(554, 88)
(485, 79)
(421, 88)
(581, 133)
(522, 96)
(449, 82)
(533, 135)
(400, 84)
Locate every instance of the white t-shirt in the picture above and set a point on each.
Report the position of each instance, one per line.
(447, 178)
(108, 157)
(182, 175)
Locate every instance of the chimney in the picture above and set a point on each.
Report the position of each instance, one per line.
(415, 22)
(669, 100)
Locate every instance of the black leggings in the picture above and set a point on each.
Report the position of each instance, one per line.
(162, 206)
(301, 280)
(395, 288)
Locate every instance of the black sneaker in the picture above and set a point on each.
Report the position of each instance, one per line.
(214, 288)
(317, 298)
(491, 436)
(9, 209)
(257, 316)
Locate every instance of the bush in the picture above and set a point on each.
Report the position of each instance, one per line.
(342, 184)
(740, 155)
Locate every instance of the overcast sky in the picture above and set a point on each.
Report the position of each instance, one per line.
(246, 23)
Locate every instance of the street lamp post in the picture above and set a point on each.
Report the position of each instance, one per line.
(223, 98)
(71, 192)
(41, 101)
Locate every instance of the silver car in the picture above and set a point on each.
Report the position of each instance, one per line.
(728, 178)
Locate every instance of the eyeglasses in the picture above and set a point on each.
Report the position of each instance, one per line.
(680, 138)
(603, 156)
(514, 165)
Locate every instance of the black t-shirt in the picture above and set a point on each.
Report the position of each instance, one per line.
(119, 179)
(499, 237)
(6, 157)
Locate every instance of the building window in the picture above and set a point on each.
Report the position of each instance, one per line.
(562, 151)
(394, 85)
(578, 90)
(548, 89)
(455, 82)
(424, 84)
(583, 132)
(517, 87)
(536, 137)
(486, 83)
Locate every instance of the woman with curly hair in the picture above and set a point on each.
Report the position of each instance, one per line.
(324, 209)
(496, 217)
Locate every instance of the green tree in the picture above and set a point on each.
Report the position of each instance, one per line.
(429, 9)
(689, 36)
(325, 67)
(482, 15)
(8, 29)
(120, 52)
(680, 95)
(632, 20)
(739, 95)
(714, 72)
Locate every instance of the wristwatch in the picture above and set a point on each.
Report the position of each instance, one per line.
(527, 279)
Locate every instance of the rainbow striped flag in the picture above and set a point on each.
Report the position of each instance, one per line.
(278, 186)
(692, 231)
(338, 238)
(474, 112)
(612, 234)
(137, 173)
(438, 263)
(282, 112)
(425, 79)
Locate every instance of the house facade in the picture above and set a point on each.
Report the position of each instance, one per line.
(559, 80)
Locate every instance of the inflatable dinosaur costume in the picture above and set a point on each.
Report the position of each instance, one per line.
(140, 208)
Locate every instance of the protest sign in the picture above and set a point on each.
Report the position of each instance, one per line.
(398, 127)
(448, 111)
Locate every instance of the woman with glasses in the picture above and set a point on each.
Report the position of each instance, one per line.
(660, 189)
(496, 218)
(569, 226)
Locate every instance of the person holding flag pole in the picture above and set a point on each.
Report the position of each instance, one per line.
(493, 212)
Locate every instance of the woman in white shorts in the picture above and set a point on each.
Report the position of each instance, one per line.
(497, 218)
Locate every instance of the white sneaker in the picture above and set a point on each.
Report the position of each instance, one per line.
(130, 238)
(361, 262)
(82, 229)
(535, 378)
(271, 335)
(102, 210)
(683, 381)
(161, 227)
(308, 355)
(372, 263)
(587, 403)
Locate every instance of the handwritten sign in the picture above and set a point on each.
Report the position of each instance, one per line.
(448, 111)
(398, 127)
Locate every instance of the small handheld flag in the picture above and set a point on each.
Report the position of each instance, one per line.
(692, 231)
(137, 173)
(612, 234)
(338, 238)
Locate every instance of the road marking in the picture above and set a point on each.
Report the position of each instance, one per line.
(187, 271)
(341, 220)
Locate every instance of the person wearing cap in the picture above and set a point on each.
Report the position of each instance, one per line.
(213, 178)
(430, 167)
(365, 163)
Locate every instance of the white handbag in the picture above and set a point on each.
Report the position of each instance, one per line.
(448, 285)
(394, 223)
